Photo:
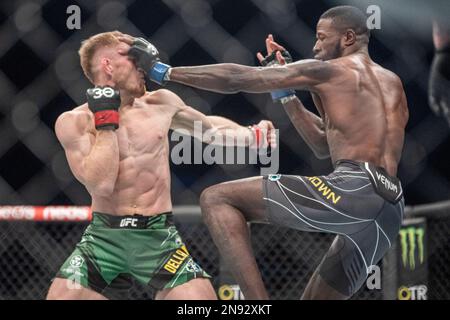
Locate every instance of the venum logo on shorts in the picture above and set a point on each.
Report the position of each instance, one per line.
(325, 190)
(388, 184)
(76, 261)
(176, 260)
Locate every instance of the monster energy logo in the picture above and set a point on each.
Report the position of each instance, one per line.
(409, 238)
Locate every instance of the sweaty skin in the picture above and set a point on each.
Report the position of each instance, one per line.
(142, 182)
(127, 171)
(362, 106)
(363, 113)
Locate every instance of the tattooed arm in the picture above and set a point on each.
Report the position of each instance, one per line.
(232, 78)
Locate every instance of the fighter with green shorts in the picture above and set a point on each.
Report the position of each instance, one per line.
(116, 247)
(117, 146)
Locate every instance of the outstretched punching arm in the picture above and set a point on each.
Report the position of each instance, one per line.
(230, 77)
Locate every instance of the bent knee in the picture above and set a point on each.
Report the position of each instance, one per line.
(51, 294)
(195, 289)
(64, 289)
(58, 290)
(214, 195)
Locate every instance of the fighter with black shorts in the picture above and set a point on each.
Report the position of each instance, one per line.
(362, 204)
(362, 115)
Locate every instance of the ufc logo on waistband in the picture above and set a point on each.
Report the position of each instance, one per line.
(128, 222)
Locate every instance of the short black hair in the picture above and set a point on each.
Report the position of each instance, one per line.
(348, 17)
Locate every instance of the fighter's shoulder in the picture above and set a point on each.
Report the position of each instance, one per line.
(326, 72)
(164, 97)
(393, 77)
(321, 68)
(75, 121)
(343, 65)
(332, 63)
(389, 77)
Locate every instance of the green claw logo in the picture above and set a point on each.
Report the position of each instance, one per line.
(409, 237)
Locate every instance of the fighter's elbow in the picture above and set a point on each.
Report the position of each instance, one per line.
(233, 85)
(235, 80)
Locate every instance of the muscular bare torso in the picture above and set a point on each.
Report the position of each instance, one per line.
(143, 182)
(365, 113)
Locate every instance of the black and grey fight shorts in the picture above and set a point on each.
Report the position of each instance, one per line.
(358, 202)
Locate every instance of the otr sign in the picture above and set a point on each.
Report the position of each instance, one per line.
(413, 293)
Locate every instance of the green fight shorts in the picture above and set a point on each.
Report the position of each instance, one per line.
(113, 248)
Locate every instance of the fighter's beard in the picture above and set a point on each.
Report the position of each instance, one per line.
(336, 53)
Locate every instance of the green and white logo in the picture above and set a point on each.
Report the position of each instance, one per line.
(76, 261)
(412, 238)
(274, 177)
(191, 266)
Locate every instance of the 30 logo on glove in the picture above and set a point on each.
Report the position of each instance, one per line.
(106, 92)
(104, 102)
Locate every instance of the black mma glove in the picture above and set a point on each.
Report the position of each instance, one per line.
(146, 57)
(104, 102)
(283, 94)
(439, 85)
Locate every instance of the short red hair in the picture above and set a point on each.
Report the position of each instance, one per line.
(90, 46)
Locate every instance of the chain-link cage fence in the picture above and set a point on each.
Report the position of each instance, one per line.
(32, 252)
(288, 259)
(40, 78)
(439, 259)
